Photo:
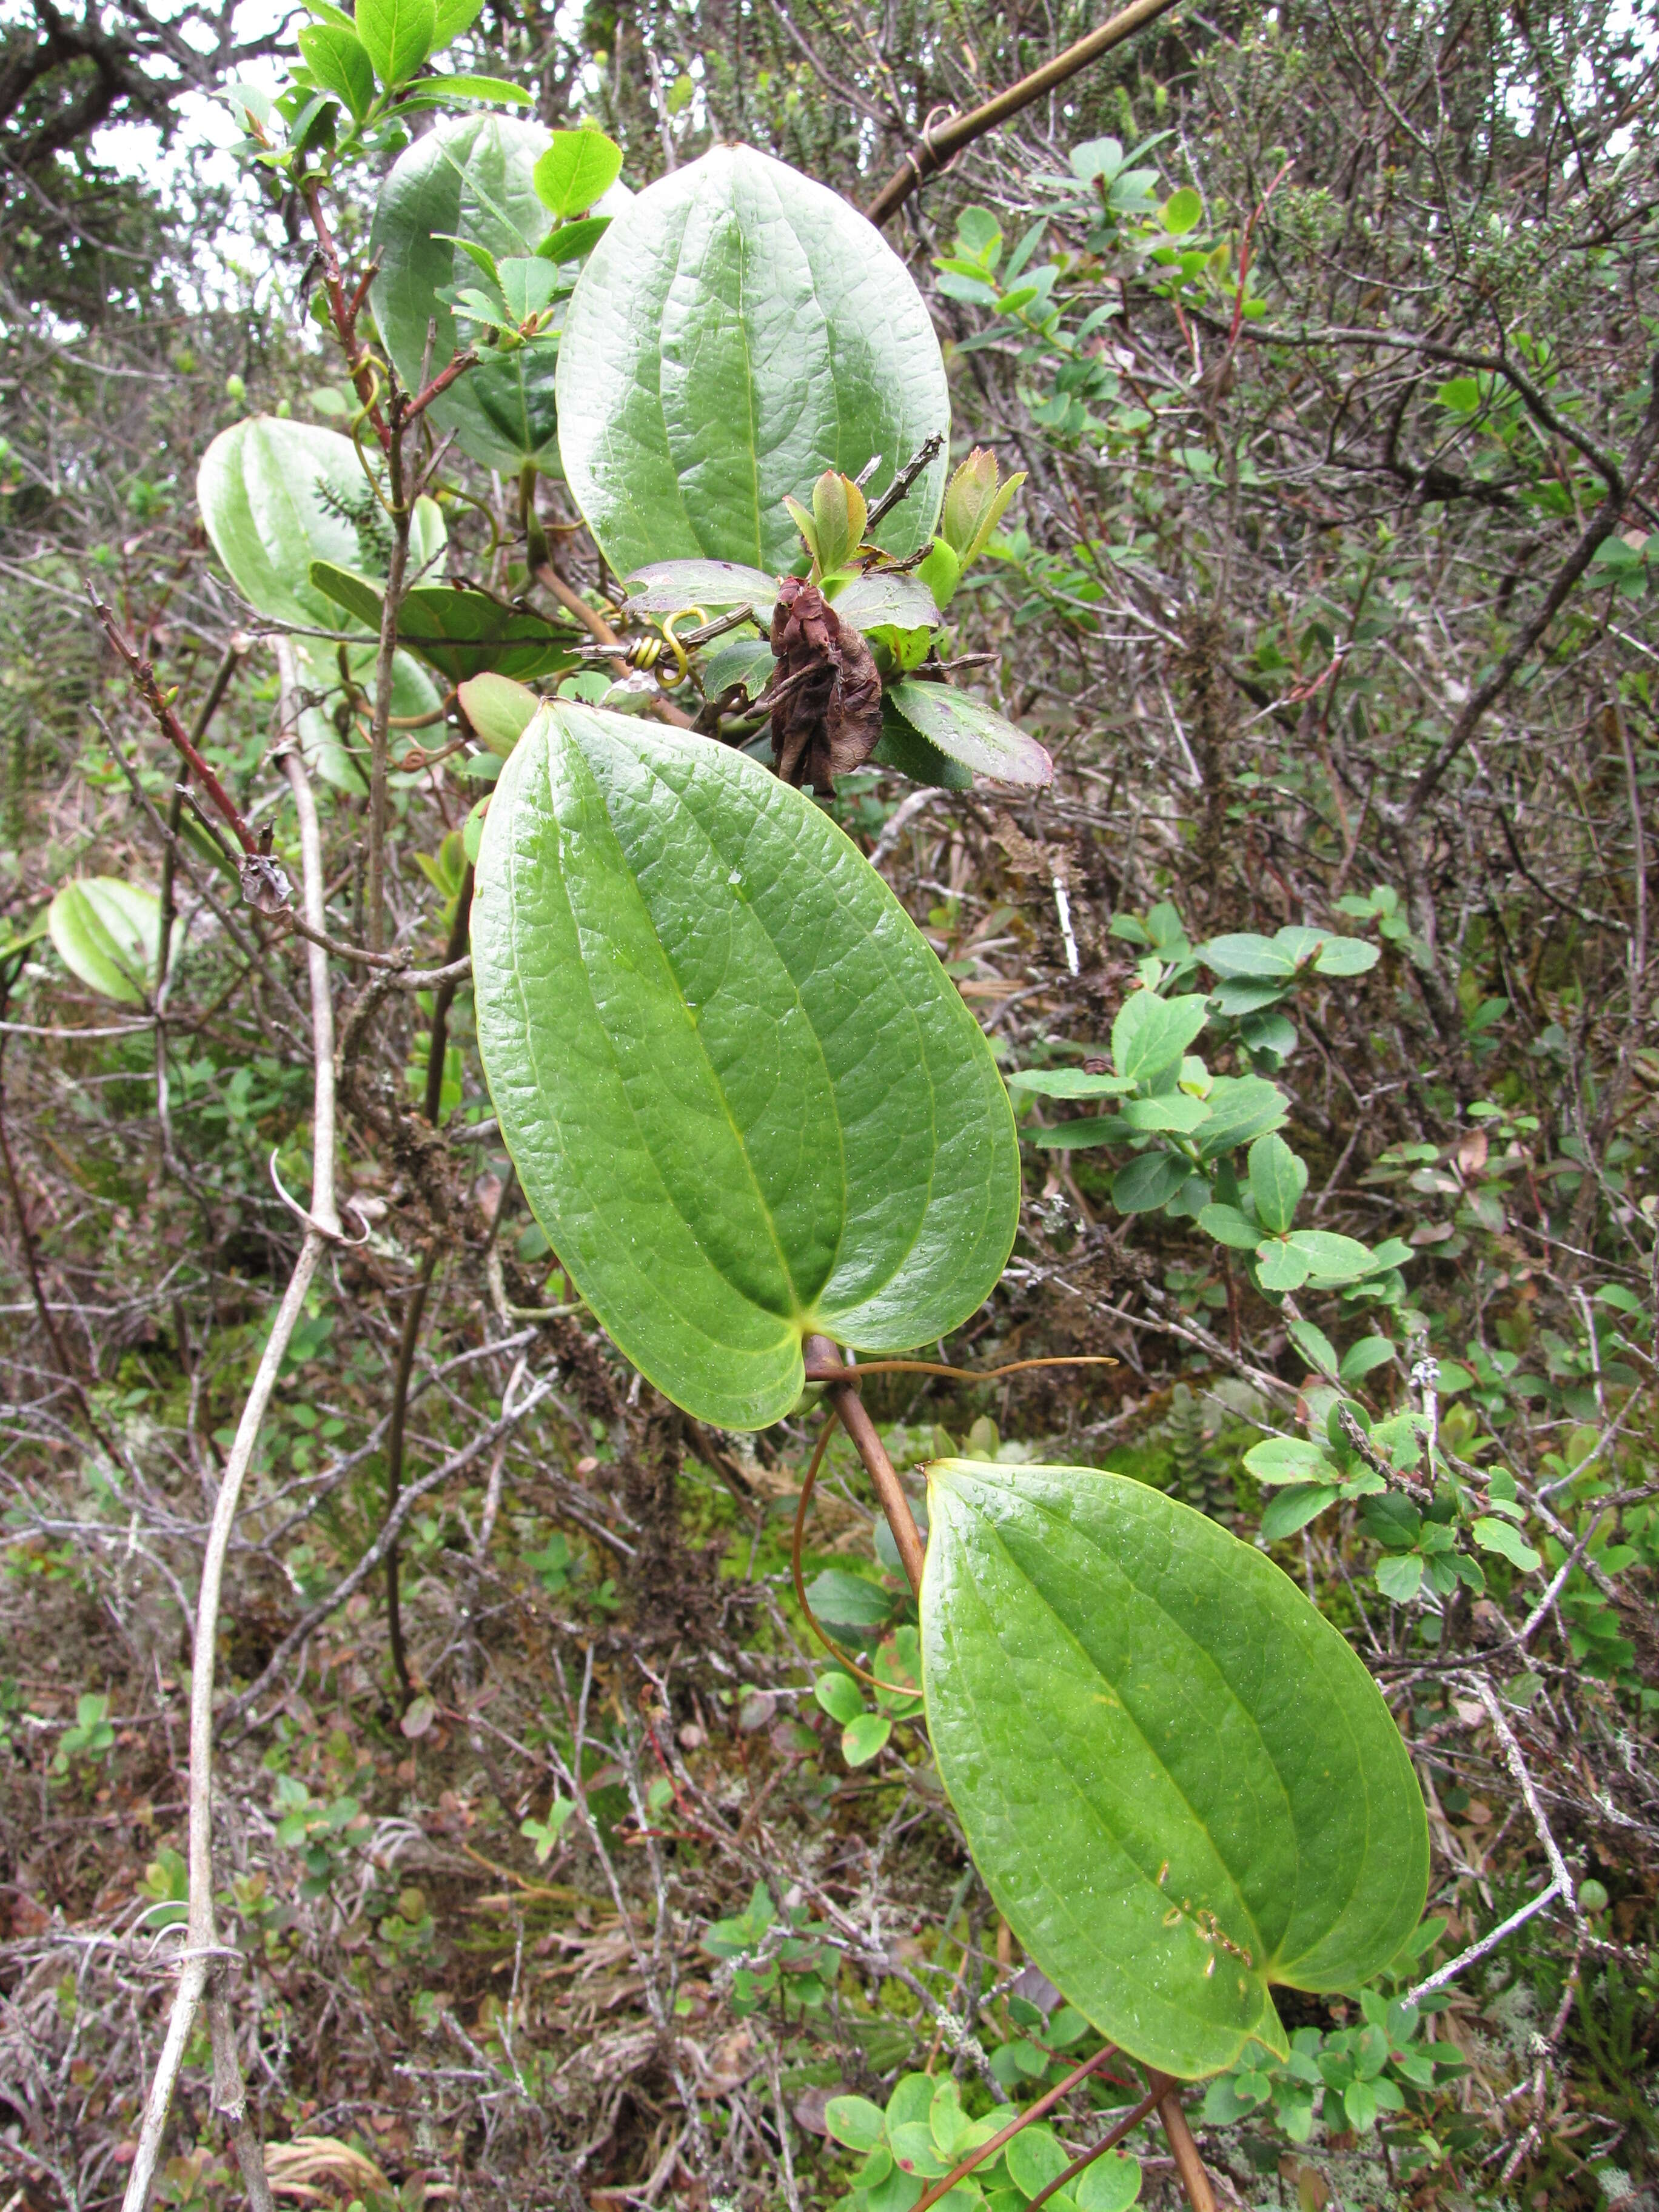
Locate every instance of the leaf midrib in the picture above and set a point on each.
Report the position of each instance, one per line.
(1258, 1948)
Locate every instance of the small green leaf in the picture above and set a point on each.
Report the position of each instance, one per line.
(398, 36)
(1280, 1266)
(1150, 1034)
(1211, 1760)
(527, 285)
(1287, 1459)
(1294, 1508)
(1172, 1110)
(844, 1601)
(1182, 211)
(1400, 1575)
(1330, 1258)
(499, 710)
(441, 91)
(578, 168)
(1149, 1182)
(1495, 1535)
(108, 933)
(1035, 2158)
(839, 1696)
(1229, 1226)
(1112, 2184)
(1242, 1109)
(1363, 1359)
(1278, 1179)
(339, 62)
(1314, 1345)
(856, 2122)
(1071, 1082)
(861, 1738)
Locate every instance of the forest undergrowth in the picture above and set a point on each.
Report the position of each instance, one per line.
(558, 1864)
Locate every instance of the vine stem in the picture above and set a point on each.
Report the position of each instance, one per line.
(204, 1956)
(825, 1361)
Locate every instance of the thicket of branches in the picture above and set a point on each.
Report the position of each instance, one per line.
(1330, 589)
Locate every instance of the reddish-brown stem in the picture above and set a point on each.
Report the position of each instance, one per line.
(439, 383)
(989, 2150)
(344, 313)
(1188, 2165)
(826, 1361)
(144, 683)
(1106, 2143)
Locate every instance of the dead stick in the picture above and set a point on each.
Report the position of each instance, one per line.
(942, 146)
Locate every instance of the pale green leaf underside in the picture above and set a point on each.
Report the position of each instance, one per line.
(259, 488)
(745, 1100)
(1116, 1687)
(738, 330)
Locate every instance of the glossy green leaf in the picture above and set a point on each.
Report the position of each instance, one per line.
(578, 168)
(1231, 1227)
(473, 178)
(1362, 1359)
(461, 633)
(574, 241)
(1180, 1784)
(1242, 1109)
(439, 91)
(339, 62)
(108, 933)
(397, 35)
(1399, 1577)
(967, 730)
(738, 330)
(1148, 1182)
(1150, 1034)
(745, 1100)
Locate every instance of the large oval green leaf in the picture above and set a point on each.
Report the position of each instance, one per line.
(738, 330)
(469, 178)
(745, 1100)
(1180, 1784)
